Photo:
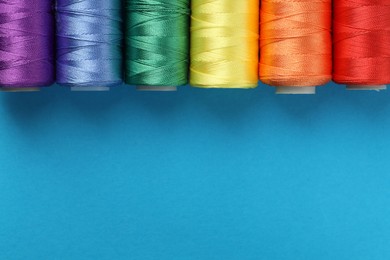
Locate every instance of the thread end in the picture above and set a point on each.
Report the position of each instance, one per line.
(295, 90)
(157, 88)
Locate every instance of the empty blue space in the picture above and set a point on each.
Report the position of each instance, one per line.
(195, 174)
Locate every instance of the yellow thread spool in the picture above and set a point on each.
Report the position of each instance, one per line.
(224, 43)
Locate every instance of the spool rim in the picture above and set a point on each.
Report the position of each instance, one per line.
(296, 90)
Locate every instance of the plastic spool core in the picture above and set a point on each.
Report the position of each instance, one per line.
(156, 88)
(20, 89)
(367, 87)
(89, 89)
(296, 90)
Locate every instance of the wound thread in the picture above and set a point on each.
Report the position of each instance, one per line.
(157, 42)
(26, 44)
(89, 43)
(224, 44)
(361, 42)
(296, 42)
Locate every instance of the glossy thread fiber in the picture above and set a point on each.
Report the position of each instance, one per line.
(224, 43)
(157, 42)
(362, 42)
(26, 43)
(296, 42)
(89, 42)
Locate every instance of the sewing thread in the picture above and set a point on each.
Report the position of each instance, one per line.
(89, 42)
(296, 42)
(361, 42)
(224, 43)
(157, 42)
(26, 44)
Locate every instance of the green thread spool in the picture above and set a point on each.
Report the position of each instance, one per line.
(157, 43)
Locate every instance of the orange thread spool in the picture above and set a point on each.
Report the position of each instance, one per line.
(296, 44)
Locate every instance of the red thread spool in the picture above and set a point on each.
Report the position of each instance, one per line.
(362, 43)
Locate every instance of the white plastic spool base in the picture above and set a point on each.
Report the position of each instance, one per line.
(367, 87)
(89, 89)
(156, 88)
(295, 90)
(20, 89)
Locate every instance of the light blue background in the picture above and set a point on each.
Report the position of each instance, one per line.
(197, 174)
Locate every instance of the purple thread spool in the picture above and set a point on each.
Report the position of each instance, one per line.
(26, 44)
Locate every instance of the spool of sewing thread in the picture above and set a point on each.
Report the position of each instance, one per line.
(26, 44)
(157, 43)
(89, 44)
(224, 43)
(361, 44)
(296, 44)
